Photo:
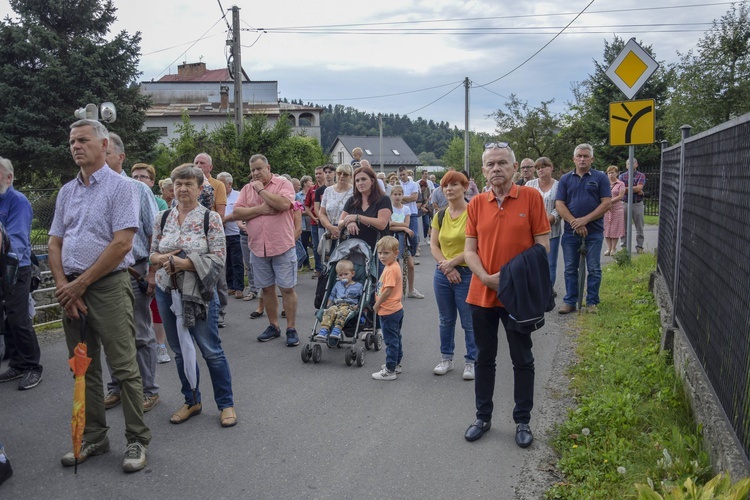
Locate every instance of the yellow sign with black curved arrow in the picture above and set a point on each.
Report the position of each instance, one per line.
(632, 123)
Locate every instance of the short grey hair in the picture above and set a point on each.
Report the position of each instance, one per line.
(287, 177)
(257, 157)
(584, 146)
(208, 157)
(304, 179)
(187, 172)
(101, 130)
(6, 165)
(225, 177)
(507, 148)
(116, 141)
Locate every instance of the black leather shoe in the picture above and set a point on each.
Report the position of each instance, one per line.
(523, 435)
(477, 430)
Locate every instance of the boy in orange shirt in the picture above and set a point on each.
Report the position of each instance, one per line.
(388, 307)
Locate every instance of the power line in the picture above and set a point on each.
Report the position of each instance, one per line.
(224, 15)
(180, 45)
(384, 95)
(491, 18)
(492, 92)
(436, 100)
(532, 56)
(196, 41)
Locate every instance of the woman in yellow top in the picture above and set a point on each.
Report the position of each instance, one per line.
(452, 276)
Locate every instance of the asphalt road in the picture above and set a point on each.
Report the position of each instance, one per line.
(305, 430)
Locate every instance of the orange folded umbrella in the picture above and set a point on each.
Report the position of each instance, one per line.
(79, 363)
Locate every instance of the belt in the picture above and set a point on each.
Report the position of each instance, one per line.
(73, 276)
(141, 261)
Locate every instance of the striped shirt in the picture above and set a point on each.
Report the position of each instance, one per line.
(549, 205)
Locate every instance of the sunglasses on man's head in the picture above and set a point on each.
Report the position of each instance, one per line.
(500, 145)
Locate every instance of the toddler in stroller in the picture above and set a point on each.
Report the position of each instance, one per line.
(342, 301)
(344, 328)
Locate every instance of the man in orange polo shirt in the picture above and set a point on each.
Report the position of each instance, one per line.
(501, 223)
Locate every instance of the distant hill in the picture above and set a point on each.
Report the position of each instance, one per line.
(421, 135)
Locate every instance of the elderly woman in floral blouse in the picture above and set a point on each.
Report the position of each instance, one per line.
(182, 245)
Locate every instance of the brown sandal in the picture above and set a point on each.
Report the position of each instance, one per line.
(183, 414)
(228, 417)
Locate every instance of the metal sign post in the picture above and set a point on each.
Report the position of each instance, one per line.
(629, 71)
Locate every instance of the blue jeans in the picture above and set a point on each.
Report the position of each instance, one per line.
(451, 302)
(235, 267)
(487, 321)
(394, 349)
(414, 226)
(552, 256)
(315, 241)
(571, 242)
(206, 335)
(426, 222)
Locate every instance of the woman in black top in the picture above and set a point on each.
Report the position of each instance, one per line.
(367, 213)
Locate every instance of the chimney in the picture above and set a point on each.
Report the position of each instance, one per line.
(224, 92)
(191, 71)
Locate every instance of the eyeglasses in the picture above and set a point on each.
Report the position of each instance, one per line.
(528, 167)
(343, 174)
(500, 145)
(139, 177)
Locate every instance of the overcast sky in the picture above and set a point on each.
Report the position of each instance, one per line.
(348, 52)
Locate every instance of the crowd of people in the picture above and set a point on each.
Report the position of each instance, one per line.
(135, 272)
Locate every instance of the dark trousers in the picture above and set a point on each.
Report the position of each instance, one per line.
(486, 322)
(23, 346)
(235, 268)
(306, 239)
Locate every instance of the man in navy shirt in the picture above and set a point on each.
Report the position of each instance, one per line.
(16, 215)
(583, 197)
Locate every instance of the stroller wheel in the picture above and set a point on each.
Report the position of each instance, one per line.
(349, 356)
(317, 353)
(306, 353)
(361, 356)
(369, 341)
(378, 343)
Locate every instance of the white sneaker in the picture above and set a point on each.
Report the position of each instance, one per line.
(443, 367)
(162, 356)
(414, 294)
(135, 457)
(468, 371)
(384, 374)
(397, 371)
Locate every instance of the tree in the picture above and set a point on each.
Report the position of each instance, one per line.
(713, 84)
(286, 153)
(454, 155)
(55, 58)
(531, 131)
(588, 120)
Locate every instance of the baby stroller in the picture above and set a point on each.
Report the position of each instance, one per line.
(360, 324)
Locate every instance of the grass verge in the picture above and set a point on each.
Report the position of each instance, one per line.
(632, 421)
(651, 220)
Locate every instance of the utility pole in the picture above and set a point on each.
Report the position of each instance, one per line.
(237, 69)
(380, 119)
(466, 128)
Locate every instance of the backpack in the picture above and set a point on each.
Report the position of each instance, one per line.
(36, 273)
(165, 214)
(441, 216)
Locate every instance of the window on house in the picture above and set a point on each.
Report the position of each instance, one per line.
(395, 152)
(368, 152)
(163, 132)
(341, 157)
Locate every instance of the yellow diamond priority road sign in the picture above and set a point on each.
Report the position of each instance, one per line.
(632, 122)
(631, 68)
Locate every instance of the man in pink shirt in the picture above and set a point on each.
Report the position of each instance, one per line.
(266, 204)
